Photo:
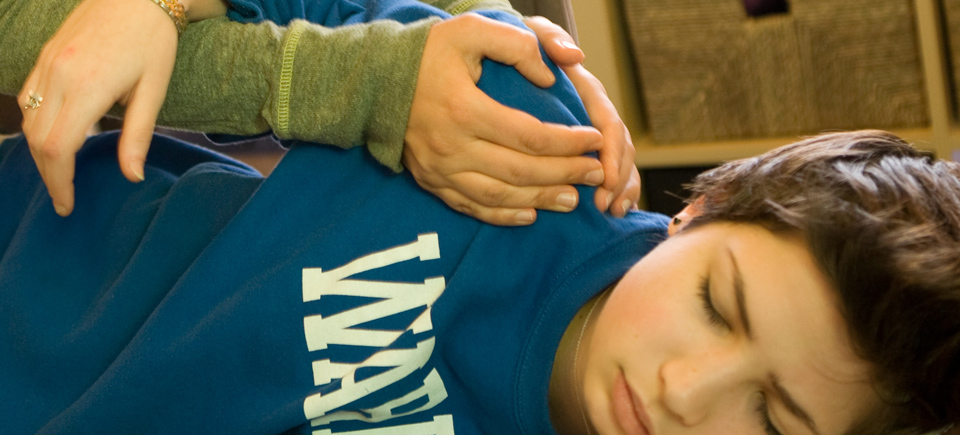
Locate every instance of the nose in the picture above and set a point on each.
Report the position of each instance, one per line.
(695, 385)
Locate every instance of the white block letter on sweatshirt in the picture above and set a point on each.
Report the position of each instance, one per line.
(403, 363)
(316, 282)
(432, 388)
(396, 297)
(341, 329)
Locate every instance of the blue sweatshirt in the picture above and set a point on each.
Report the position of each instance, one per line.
(332, 297)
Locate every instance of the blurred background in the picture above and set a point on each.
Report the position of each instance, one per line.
(699, 82)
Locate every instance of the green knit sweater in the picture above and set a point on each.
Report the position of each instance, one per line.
(344, 86)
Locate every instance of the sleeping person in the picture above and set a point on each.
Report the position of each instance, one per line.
(810, 290)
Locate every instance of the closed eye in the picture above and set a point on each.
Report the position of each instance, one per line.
(709, 309)
(763, 413)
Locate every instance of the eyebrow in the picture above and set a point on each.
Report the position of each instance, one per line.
(741, 299)
(788, 401)
(791, 404)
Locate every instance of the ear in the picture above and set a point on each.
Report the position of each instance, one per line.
(681, 219)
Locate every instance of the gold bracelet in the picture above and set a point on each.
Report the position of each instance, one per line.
(176, 11)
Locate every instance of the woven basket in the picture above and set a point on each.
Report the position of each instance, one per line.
(951, 12)
(707, 71)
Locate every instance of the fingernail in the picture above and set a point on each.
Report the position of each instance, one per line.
(609, 200)
(568, 44)
(627, 205)
(61, 210)
(567, 200)
(137, 171)
(549, 73)
(595, 177)
(525, 217)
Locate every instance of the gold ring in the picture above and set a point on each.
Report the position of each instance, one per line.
(33, 101)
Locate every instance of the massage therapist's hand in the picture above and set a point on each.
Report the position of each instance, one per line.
(107, 51)
(621, 185)
(482, 158)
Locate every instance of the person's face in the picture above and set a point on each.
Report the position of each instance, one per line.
(659, 359)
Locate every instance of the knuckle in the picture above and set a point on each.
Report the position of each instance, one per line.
(61, 62)
(631, 172)
(537, 21)
(634, 184)
(471, 20)
(629, 151)
(426, 180)
(629, 187)
(64, 68)
(528, 41)
(492, 195)
(535, 143)
(519, 174)
(628, 138)
(442, 150)
(529, 48)
(460, 111)
(425, 153)
(613, 170)
(545, 197)
(461, 206)
(50, 150)
(580, 174)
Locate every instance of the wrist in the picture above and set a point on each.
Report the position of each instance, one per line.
(197, 10)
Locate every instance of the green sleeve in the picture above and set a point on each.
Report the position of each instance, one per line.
(343, 86)
(25, 26)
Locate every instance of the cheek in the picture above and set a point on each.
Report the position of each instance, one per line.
(640, 314)
(727, 424)
(652, 309)
(646, 295)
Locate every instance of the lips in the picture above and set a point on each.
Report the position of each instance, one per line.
(628, 409)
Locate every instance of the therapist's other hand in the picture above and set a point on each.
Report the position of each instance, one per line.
(105, 52)
(621, 186)
(482, 158)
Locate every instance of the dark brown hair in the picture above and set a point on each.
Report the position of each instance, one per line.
(882, 220)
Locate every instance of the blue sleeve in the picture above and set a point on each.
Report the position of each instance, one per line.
(329, 13)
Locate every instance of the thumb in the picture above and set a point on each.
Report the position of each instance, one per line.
(511, 45)
(557, 43)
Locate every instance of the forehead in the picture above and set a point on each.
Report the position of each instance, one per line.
(798, 328)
